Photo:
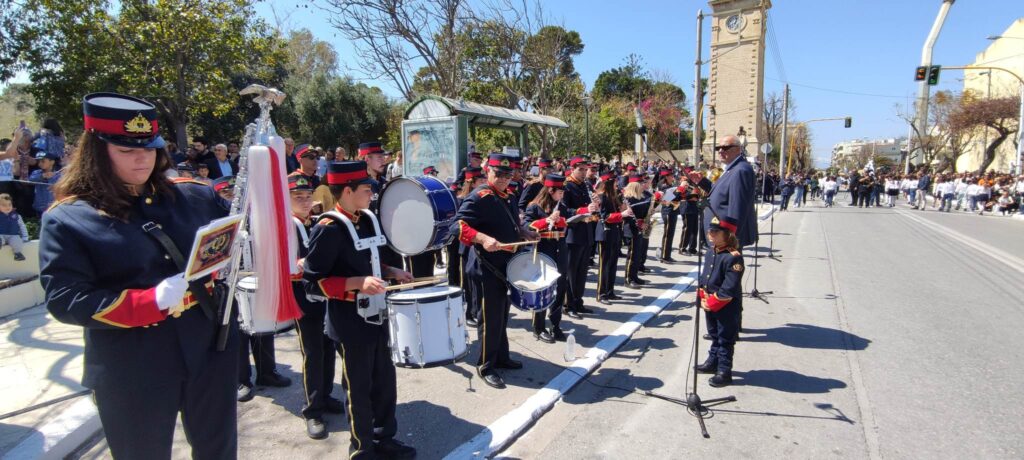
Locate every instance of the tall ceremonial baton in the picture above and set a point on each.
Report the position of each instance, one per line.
(267, 239)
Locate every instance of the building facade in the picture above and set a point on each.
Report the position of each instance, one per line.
(1007, 52)
(855, 154)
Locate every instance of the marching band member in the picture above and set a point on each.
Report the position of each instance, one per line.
(609, 237)
(546, 215)
(694, 186)
(460, 273)
(533, 187)
(640, 202)
(669, 214)
(579, 236)
(486, 219)
(334, 269)
(721, 296)
(372, 153)
(317, 349)
(305, 155)
(149, 348)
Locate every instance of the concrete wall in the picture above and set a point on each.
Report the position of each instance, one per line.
(17, 298)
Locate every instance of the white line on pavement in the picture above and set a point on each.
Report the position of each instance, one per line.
(507, 428)
(61, 436)
(1006, 258)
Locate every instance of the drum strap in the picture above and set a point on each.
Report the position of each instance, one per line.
(302, 231)
(369, 306)
(199, 291)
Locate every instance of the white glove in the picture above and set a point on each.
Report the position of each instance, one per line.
(170, 291)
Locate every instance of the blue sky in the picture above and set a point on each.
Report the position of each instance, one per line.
(828, 48)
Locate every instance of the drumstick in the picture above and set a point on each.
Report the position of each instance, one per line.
(401, 287)
(518, 243)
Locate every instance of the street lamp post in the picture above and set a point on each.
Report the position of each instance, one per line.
(587, 100)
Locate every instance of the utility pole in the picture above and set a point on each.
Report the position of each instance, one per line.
(785, 129)
(698, 100)
(926, 61)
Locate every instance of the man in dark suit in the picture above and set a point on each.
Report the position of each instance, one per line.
(220, 165)
(733, 195)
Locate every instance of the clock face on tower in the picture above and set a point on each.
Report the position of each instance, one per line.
(734, 23)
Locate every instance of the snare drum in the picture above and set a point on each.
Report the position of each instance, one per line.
(533, 284)
(416, 214)
(254, 319)
(427, 326)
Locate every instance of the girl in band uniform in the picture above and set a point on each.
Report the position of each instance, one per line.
(609, 237)
(546, 214)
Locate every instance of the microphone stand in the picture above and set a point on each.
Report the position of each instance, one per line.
(694, 405)
(755, 294)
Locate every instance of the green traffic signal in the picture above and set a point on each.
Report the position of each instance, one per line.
(933, 75)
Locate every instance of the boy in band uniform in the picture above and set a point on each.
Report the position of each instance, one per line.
(335, 270)
(721, 297)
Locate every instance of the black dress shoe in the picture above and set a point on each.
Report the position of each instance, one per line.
(633, 285)
(613, 296)
(640, 282)
(543, 336)
(394, 450)
(573, 314)
(693, 252)
(245, 393)
(273, 380)
(720, 379)
(644, 270)
(585, 310)
(707, 367)
(334, 406)
(682, 252)
(510, 364)
(604, 301)
(492, 379)
(557, 334)
(707, 337)
(472, 322)
(667, 261)
(315, 428)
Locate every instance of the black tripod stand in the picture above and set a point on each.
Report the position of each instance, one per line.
(694, 405)
(755, 294)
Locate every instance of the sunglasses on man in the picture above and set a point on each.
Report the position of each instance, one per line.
(719, 148)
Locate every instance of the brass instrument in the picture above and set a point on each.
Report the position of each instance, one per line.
(649, 220)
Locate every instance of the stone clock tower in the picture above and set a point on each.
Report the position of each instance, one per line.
(736, 77)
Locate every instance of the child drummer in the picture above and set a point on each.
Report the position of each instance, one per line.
(721, 296)
(334, 269)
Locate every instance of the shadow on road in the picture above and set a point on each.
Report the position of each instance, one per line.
(423, 420)
(786, 381)
(807, 336)
(608, 383)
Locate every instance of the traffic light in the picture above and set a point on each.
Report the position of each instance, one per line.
(921, 74)
(848, 122)
(933, 75)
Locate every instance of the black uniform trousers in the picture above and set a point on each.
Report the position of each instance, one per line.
(723, 327)
(318, 359)
(645, 245)
(609, 259)
(422, 265)
(207, 402)
(689, 240)
(668, 217)
(262, 347)
(577, 276)
(494, 309)
(557, 251)
(454, 268)
(635, 257)
(368, 376)
(471, 290)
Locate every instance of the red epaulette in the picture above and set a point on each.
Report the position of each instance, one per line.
(185, 180)
(484, 192)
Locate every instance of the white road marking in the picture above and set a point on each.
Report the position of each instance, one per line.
(1006, 258)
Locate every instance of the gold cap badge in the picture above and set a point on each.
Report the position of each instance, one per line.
(138, 125)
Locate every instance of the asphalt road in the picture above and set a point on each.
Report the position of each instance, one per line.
(891, 333)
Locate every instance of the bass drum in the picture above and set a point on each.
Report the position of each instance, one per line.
(416, 214)
(255, 319)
